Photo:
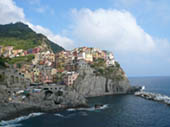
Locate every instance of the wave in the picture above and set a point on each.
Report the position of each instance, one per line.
(88, 109)
(81, 111)
(104, 106)
(59, 115)
(71, 109)
(13, 123)
(143, 88)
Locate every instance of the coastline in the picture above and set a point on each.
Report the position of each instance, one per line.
(20, 109)
(26, 109)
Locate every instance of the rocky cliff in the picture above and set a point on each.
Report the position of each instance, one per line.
(45, 101)
(53, 99)
(91, 82)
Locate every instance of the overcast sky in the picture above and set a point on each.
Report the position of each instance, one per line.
(136, 31)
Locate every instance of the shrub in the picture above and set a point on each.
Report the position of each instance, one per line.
(119, 77)
(21, 59)
(101, 71)
(117, 64)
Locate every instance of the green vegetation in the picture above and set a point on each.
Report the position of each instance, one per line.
(56, 48)
(99, 63)
(19, 43)
(20, 59)
(2, 62)
(117, 64)
(110, 72)
(21, 36)
(61, 64)
(59, 77)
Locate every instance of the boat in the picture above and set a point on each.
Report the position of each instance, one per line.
(98, 106)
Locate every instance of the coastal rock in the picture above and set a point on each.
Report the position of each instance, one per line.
(12, 110)
(3, 94)
(73, 99)
(45, 101)
(89, 84)
(68, 97)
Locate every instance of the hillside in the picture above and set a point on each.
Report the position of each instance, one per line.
(21, 36)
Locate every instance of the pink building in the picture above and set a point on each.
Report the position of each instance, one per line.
(70, 78)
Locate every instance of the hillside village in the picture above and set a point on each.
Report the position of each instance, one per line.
(37, 74)
(46, 70)
(60, 68)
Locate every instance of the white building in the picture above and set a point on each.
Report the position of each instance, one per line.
(81, 55)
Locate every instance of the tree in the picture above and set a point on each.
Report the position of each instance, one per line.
(117, 64)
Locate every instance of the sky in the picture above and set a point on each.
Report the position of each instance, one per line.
(136, 31)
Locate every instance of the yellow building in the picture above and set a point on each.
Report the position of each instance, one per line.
(53, 71)
(89, 57)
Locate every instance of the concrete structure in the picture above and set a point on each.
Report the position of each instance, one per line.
(53, 87)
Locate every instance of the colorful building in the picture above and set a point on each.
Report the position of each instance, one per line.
(70, 78)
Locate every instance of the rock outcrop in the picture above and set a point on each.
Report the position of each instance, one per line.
(90, 84)
(13, 78)
(45, 101)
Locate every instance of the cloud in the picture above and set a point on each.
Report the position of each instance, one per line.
(138, 52)
(116, 30)
(111, 29)
(63, 41)
(11, 13)
(151, 8)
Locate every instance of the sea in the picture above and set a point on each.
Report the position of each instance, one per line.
(117, 111)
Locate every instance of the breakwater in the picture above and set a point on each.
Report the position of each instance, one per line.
(154, 96)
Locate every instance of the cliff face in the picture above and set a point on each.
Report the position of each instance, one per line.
(90, 83)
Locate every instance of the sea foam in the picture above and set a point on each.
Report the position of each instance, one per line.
(59, 115)
(13, 123)
(88, 109)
